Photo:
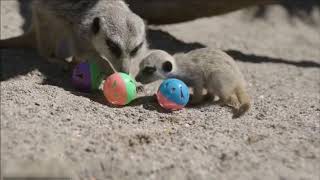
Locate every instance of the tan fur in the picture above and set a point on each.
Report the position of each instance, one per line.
(202, 69)
(64, 30)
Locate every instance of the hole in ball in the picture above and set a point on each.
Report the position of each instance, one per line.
(173, 90)
(181, 93)
(80, 76)
(114, 84)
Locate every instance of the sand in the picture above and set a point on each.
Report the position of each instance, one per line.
(56, 130)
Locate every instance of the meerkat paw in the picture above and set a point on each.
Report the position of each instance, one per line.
(195, 100)
(210, 97)
(61, 62)
(241, 110)
(221, 102)
(140, 88)
(72, 62)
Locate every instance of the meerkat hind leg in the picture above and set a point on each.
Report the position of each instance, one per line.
(233, 101)
(227, 99)
(244, 101)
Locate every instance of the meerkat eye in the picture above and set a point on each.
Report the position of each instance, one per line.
(167, 66)
(95, 25)
(116, 50)
(149, 70)
(136, 49)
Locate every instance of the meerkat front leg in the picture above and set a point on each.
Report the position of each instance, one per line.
(45, 41)
(197, 96)
(41, 29)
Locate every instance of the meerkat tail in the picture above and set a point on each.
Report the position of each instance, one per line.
(244, 100)
(25, 41)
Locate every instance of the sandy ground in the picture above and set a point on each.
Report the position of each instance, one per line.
(43, 119)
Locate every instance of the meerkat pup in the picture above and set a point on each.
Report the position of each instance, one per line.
(84, 29)
(202, 69)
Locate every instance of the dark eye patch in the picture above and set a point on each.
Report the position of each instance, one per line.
(148, 70)
(95, 25)
(115, 48)
(136, 49)
(167, 66)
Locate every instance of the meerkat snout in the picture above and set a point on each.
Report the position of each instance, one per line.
(157, 65)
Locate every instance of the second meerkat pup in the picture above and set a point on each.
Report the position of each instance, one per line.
(200, 69)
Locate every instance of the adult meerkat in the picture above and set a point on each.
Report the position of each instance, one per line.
(200, 69)
(84, 29)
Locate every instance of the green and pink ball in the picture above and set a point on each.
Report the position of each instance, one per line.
(120, 89)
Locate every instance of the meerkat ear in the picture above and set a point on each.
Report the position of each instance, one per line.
(167, 66)
(95, 25)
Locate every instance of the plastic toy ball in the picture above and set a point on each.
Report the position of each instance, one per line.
(173, 94)
(87, 77)
(119, 89)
